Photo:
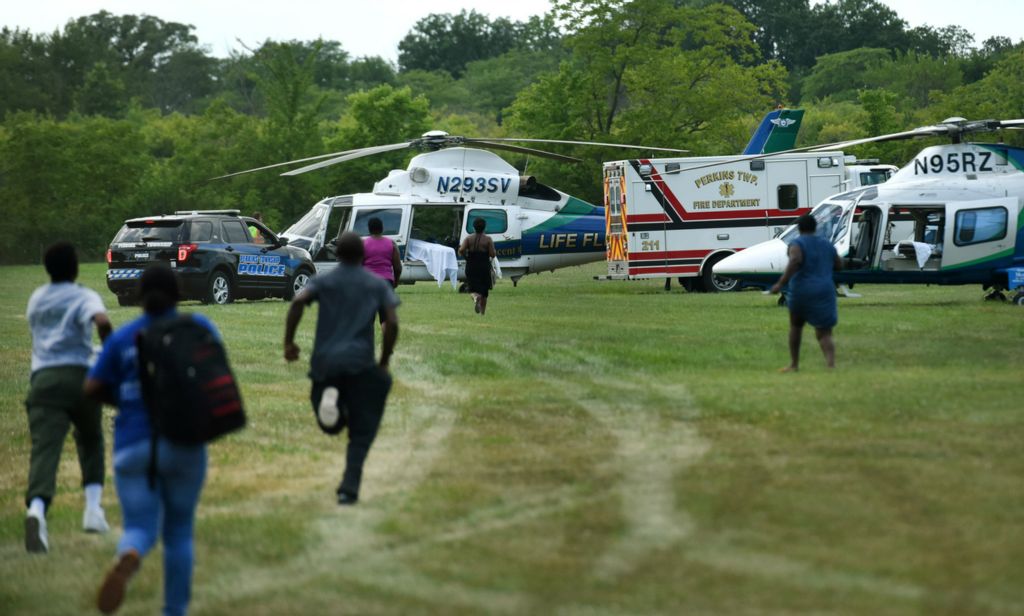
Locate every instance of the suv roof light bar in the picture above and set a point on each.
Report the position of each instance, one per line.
(225, 212)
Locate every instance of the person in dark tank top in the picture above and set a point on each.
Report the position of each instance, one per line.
(478, 249)
(811, 297)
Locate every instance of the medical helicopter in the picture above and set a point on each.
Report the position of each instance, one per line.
(953, 215)
(428, 208)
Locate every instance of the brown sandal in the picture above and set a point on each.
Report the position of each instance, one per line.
(112, 591)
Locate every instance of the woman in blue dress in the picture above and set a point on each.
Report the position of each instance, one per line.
(812, 294)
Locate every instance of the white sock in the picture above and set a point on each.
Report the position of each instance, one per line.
(37, 507)
(93, 495)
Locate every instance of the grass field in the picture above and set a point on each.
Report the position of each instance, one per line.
(590, 448)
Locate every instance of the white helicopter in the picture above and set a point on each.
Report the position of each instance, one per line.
(953, 215)
(429, 207)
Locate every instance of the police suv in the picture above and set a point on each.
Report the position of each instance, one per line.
(218, 256)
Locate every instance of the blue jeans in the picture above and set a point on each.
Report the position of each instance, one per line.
(170, 507)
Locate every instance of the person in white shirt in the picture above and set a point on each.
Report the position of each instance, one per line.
(61, 316)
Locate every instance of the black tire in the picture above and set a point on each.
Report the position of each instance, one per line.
(1018, 299)
(687, 283)
(126, 300)
(716, 284)
(219, 289)
(297, 283)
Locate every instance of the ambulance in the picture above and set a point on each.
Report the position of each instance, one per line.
(676, 218)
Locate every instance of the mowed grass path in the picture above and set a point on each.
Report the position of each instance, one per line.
(590, 448)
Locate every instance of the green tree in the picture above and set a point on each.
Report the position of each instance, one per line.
(450, 42)
(133, 47)
(66, 180)
(850, 24)
(27, 78)
(840, 75)
(101, 94)
(379, 116)
(369, 72)
(492, 84)
(915, 77)
(647, 72)
(1000, 95)
(444, 92)
(781, 28)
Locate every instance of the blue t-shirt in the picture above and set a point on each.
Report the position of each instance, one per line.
(118, 369)
(60, 316)
(815, 273)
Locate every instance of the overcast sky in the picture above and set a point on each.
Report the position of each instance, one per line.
(374, 27)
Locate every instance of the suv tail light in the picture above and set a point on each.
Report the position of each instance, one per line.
(110, 256)
(184, 250)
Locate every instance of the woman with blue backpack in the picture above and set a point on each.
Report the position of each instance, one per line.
(158, 496)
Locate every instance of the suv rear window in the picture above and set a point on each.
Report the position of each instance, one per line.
(156, 231)
(201, 231)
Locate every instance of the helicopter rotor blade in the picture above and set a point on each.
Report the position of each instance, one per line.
(290, 162)
(938, 130)
(597, 143)
(351, 155)
(523, 150)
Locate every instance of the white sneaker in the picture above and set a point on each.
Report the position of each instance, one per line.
(327, 411)
(93, 520)
(35, 533)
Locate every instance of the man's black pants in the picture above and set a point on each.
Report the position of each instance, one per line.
(361, 399)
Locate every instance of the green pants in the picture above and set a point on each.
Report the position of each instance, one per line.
(55, 403)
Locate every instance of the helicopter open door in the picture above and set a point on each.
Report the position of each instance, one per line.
(978, 231)
(503, 225)
(396, 219)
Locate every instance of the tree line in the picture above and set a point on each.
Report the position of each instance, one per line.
(116, 116)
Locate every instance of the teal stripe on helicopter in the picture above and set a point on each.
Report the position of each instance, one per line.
(577, 227)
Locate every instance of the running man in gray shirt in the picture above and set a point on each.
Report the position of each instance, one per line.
(350, 387)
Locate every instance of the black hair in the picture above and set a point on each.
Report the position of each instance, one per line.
(158, 288)
(61, 262)
(479, 225)
(375, 226)
(350, 248)
(806, 224)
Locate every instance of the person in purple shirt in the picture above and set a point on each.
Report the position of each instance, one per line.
(381, 256)
(168, 508)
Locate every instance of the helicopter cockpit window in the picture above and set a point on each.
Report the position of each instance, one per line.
(831, 223)
(788, 194)
(308, 225)
(391, 217)
(497, 220)
(981, 225)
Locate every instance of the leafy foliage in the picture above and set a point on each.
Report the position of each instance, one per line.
(123, 115)
(449, 42)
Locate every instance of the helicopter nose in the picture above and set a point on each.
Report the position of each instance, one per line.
(765, 258)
